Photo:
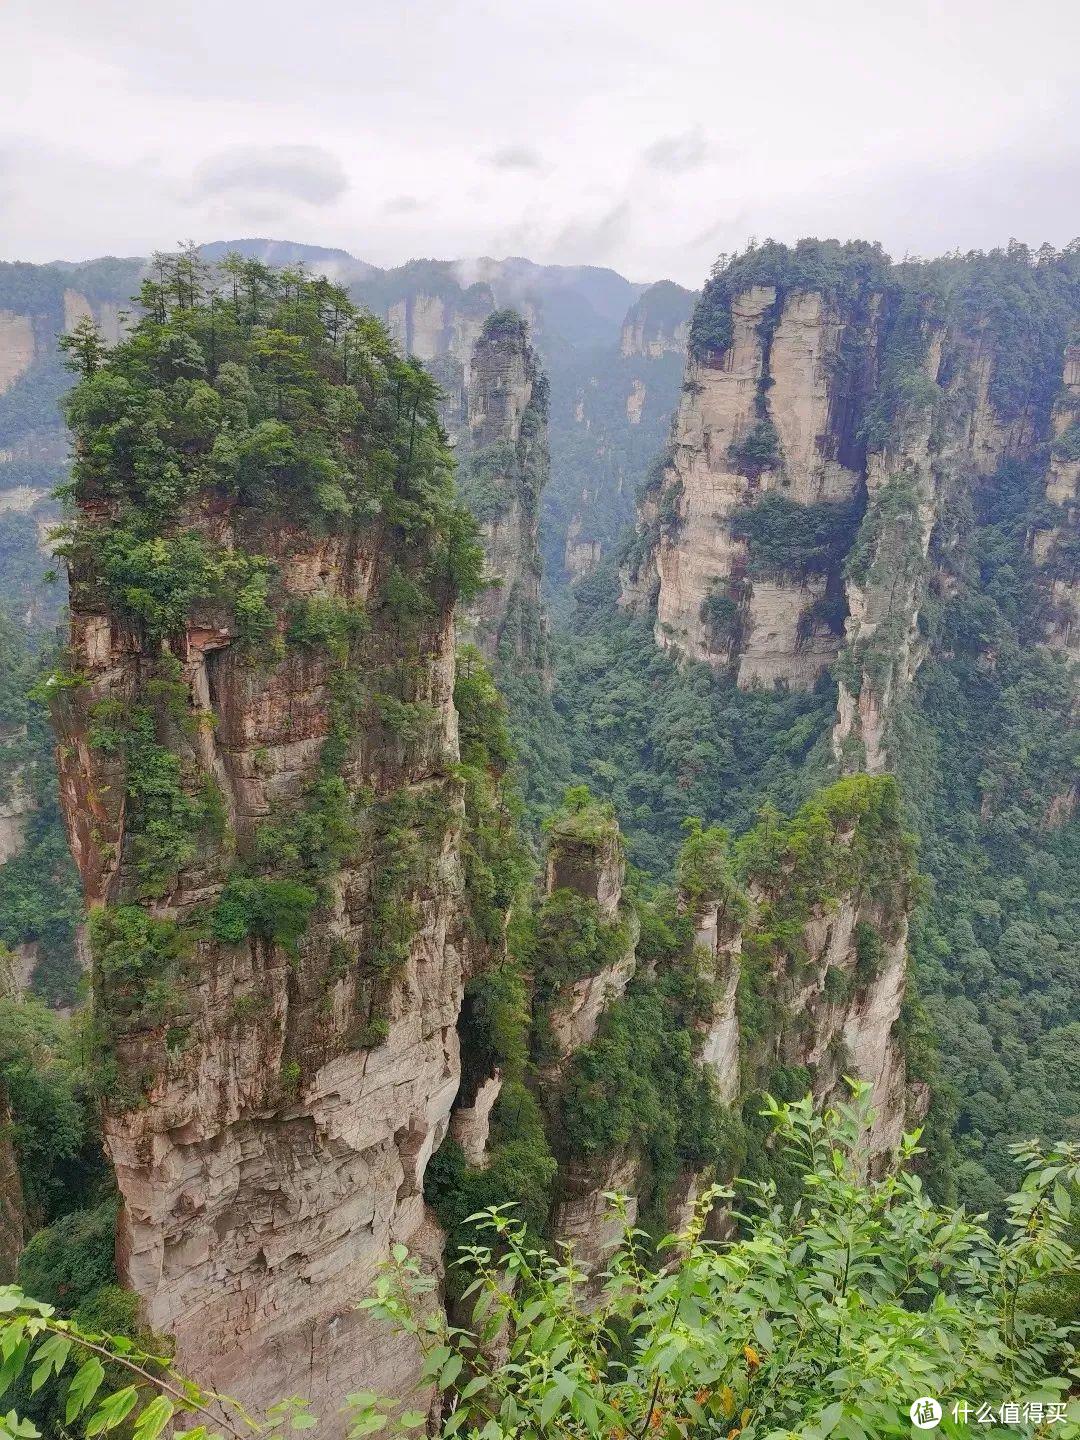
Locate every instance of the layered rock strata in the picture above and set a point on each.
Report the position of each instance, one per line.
(805, 973)
(837, 415)
(503, 467)
(279, 989)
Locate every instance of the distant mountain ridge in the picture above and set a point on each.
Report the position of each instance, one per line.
(611, 347)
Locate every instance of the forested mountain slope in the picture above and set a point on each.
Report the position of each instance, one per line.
(861, 546)
(332, 1000)
(359, 966)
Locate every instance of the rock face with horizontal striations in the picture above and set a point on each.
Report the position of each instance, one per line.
(280, 1142)
(279, 989)
(838, 414)
(798, 970)
(504, 466)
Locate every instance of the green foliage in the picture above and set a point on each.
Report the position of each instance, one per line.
(1067, 445)
(486, 480)
(407, 831)
(583, 820)
(166, 821)
(785, 537)
(251, 905)
(138, 962)
(661, 739)
(520, 1169)
(987, 744)
(704, 872)
(494, 1025)
(497, 863)
(40, 902)
(756, 451)
(827, 1318)
(722, 616)
(848, 841)
(53, 1126)
(505, 327)
(70, 1261)
(326, 622)
(250, 384)
(822, 265)
(639, 1089)
(571, 940)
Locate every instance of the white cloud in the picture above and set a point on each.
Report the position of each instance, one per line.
(600, 130)
(294, 172)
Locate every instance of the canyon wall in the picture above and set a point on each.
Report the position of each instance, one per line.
(267, 823)
(836, 412)
(1056, 542)
(503, 466)
(797, 970)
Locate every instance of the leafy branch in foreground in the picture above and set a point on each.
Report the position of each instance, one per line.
(825, 1319)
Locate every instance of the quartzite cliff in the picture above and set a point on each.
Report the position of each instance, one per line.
(838, 414)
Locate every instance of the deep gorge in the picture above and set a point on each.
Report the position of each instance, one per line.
(406, 899)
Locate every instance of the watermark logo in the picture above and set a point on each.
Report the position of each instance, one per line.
(925, 1413)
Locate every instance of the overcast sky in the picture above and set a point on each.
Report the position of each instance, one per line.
(644, 134)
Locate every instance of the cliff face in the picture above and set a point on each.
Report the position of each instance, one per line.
(503, 467)
(39, 304)
(835, 412)
(614, 408)
(752, 423)
(658, 323)
(284, 1104)
(267, 824)
(799, 972)
(1055, 546)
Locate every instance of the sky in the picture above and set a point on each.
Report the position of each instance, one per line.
(647, 136)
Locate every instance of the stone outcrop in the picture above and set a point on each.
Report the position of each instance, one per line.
(753, 422)
(588, 861)
(279, 1152)
(720, 939)
(503, 468)
(283, 1046)
(830, 990)
(17, 347)
(658, 323)
(1055, 547)
(581, 555)
(826, 430)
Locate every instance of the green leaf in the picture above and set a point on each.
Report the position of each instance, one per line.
(450, 1371)
(154, 1418)
(829, 1418)
(12, 1367)
(83, 1387)
(552, 1399)
(112, 1411)
(50, 1359)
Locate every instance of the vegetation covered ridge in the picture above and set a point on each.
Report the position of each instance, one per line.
(830, 1317)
